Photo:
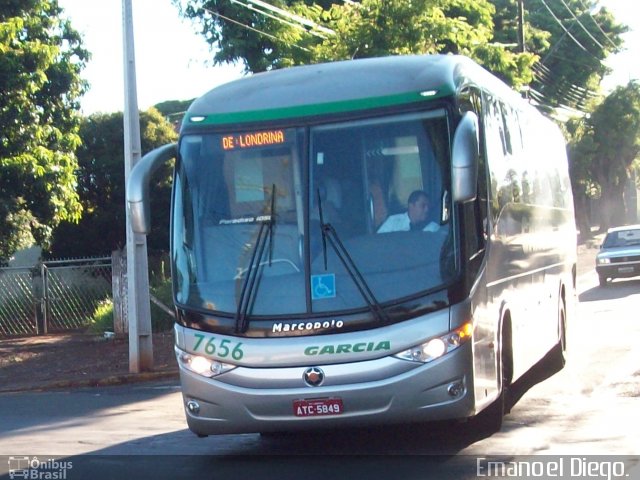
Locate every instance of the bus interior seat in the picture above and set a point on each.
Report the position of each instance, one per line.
(331, 197)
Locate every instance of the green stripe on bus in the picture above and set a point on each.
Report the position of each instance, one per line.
(315, 109)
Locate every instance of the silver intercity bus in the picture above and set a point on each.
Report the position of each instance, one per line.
(363, 242)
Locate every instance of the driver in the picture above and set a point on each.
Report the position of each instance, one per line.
(414, 219)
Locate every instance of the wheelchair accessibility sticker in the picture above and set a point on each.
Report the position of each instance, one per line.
(323, 286)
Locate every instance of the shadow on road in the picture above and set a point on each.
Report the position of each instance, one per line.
(410, 451)
(551, 363)
(612, 291)
(39, 412)
(416, 451)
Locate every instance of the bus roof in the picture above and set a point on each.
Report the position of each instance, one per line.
(337, 87)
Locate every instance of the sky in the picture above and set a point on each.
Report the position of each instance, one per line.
(626, 65)
(173, 61)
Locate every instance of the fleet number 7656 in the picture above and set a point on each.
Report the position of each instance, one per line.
(220, 348)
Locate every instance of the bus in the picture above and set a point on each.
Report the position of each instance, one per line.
(363, 242)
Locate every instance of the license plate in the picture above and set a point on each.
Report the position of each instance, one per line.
(317, 407)
(625, 269)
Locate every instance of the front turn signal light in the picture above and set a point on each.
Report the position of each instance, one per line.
(436, 347)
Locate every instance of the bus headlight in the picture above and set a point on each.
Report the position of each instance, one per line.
(207, 367)
(438, 346)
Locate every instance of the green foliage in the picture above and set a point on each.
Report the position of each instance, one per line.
(364, 29)
(101, 187)
(378, 28)
(102, 319)
(174, 110)
(160, 288)
(41, 58)
(568, 66)
(173, 107)
(570, 40)
(160, 320)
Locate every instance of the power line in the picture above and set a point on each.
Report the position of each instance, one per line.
(572, 61)
(566, 93)
(273, 37)
(581, 25)
(563, 98)
(559, 110)
(600, 28)
(292, 16)
(297, 26)
(548, 72)
(559, 22)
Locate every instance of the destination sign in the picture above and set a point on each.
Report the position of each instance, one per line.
(253, 139)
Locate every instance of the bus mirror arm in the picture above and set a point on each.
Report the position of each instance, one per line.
(465, 154)
(138, 186)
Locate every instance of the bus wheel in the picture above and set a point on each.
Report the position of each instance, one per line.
(490, 419)
(562, 327)
(557, 357)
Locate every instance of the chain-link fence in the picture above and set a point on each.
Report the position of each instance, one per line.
(53, 296)
(72, 290)
(17, 302)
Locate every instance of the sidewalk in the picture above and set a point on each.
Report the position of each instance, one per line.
(69, 360)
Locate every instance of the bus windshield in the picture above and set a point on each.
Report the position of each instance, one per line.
(335, 217)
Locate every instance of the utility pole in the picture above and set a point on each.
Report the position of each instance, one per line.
(521, 46)
(138, 306)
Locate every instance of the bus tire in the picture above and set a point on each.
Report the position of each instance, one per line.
(602, 279)
(489, 421)
(562, 332)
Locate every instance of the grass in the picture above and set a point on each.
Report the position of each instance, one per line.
(102, 319)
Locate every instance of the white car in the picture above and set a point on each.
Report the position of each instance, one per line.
(619, 255)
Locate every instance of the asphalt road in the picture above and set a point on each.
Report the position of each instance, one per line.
(576, 419)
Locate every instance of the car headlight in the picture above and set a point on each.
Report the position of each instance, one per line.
(603, 260)
(207, 367)
(438, 346)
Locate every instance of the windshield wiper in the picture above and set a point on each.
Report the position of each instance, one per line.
(329, 233)
(265, 236)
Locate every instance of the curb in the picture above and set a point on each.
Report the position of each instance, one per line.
(113, 380)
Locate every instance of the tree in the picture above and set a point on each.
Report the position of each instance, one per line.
(170, 108)
(174, 110)
(41, 58)
(101, 187)
(565, 42)
(570, 39)
(607, 143)
(340, 31)
(560, 36)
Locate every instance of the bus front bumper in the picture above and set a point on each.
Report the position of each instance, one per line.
(378, 392)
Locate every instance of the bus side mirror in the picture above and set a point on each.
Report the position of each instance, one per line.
(138, 186)
(464, 159)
